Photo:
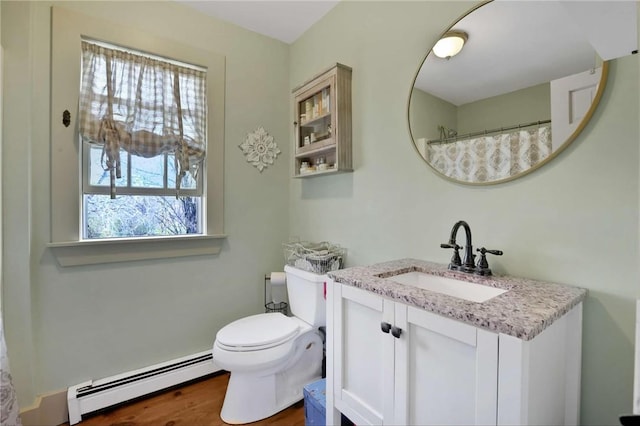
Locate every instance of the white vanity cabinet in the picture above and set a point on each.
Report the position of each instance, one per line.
(432, 370)
(438, 371)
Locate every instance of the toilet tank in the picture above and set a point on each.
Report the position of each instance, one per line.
(306, 294)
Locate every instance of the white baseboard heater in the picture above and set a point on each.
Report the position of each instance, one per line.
(95, 395)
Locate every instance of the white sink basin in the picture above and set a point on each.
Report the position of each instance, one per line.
(462, 289)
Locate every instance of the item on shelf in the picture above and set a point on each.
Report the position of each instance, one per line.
(308, 107)
(326, 101)
(322, 136)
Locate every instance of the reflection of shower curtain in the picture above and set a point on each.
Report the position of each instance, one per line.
(8, 401)
(491, 158)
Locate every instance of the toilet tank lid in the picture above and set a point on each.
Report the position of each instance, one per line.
(309, 276)
(258, 330)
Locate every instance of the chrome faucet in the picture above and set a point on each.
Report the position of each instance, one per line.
(467, 265)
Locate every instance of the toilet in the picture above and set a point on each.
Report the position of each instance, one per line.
(271, 356)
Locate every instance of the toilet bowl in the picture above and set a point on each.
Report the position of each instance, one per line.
(271, 357)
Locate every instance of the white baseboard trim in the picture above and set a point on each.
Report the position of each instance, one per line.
(95, 395)
(52, 409)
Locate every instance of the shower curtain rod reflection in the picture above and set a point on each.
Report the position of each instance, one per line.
(487, 132)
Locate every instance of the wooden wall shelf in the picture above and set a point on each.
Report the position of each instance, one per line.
(322, 124)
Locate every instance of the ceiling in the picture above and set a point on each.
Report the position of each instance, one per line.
(517, 44)
(282, 20)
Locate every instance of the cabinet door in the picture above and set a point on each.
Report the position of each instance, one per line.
(446, 371)
(363, 355)
(315, 138)
(315, 119)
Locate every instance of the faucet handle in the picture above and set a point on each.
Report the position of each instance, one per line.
(450, 246)
(483, 265)
(483, 250)
(456, 262)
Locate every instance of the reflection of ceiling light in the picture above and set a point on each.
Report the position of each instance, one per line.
(450, 44)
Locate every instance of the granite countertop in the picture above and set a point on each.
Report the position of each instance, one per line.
(527, 308)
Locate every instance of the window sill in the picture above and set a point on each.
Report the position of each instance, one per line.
(91, 252)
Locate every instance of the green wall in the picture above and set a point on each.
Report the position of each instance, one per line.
(574, 221)
(521, 106)
(68, 325)
(427, 112)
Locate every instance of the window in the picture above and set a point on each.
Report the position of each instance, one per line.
(142, 122)
(146, 202)
(67, 242)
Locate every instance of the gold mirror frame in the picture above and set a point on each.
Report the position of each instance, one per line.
(554, 153)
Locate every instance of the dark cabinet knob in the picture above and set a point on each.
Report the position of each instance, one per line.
(396, 332)
(385, 326)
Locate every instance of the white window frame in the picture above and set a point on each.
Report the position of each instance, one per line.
(166, 190)
(68, 247)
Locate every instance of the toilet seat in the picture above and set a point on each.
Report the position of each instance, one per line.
(257, 332)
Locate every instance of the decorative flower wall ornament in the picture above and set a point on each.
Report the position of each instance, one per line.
(260, 148)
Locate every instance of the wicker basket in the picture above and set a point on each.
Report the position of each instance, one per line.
(318, 258)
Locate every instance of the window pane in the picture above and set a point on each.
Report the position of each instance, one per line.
(100, 177)
(147, 172)
(136, 216)
(188, 182)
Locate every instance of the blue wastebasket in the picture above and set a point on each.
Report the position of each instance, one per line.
(315, 403)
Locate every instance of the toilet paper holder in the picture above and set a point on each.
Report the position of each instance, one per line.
(271, 306)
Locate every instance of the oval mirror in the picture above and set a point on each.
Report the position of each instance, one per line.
(522, 88)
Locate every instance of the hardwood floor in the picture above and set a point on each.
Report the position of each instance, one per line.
(196, 404)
